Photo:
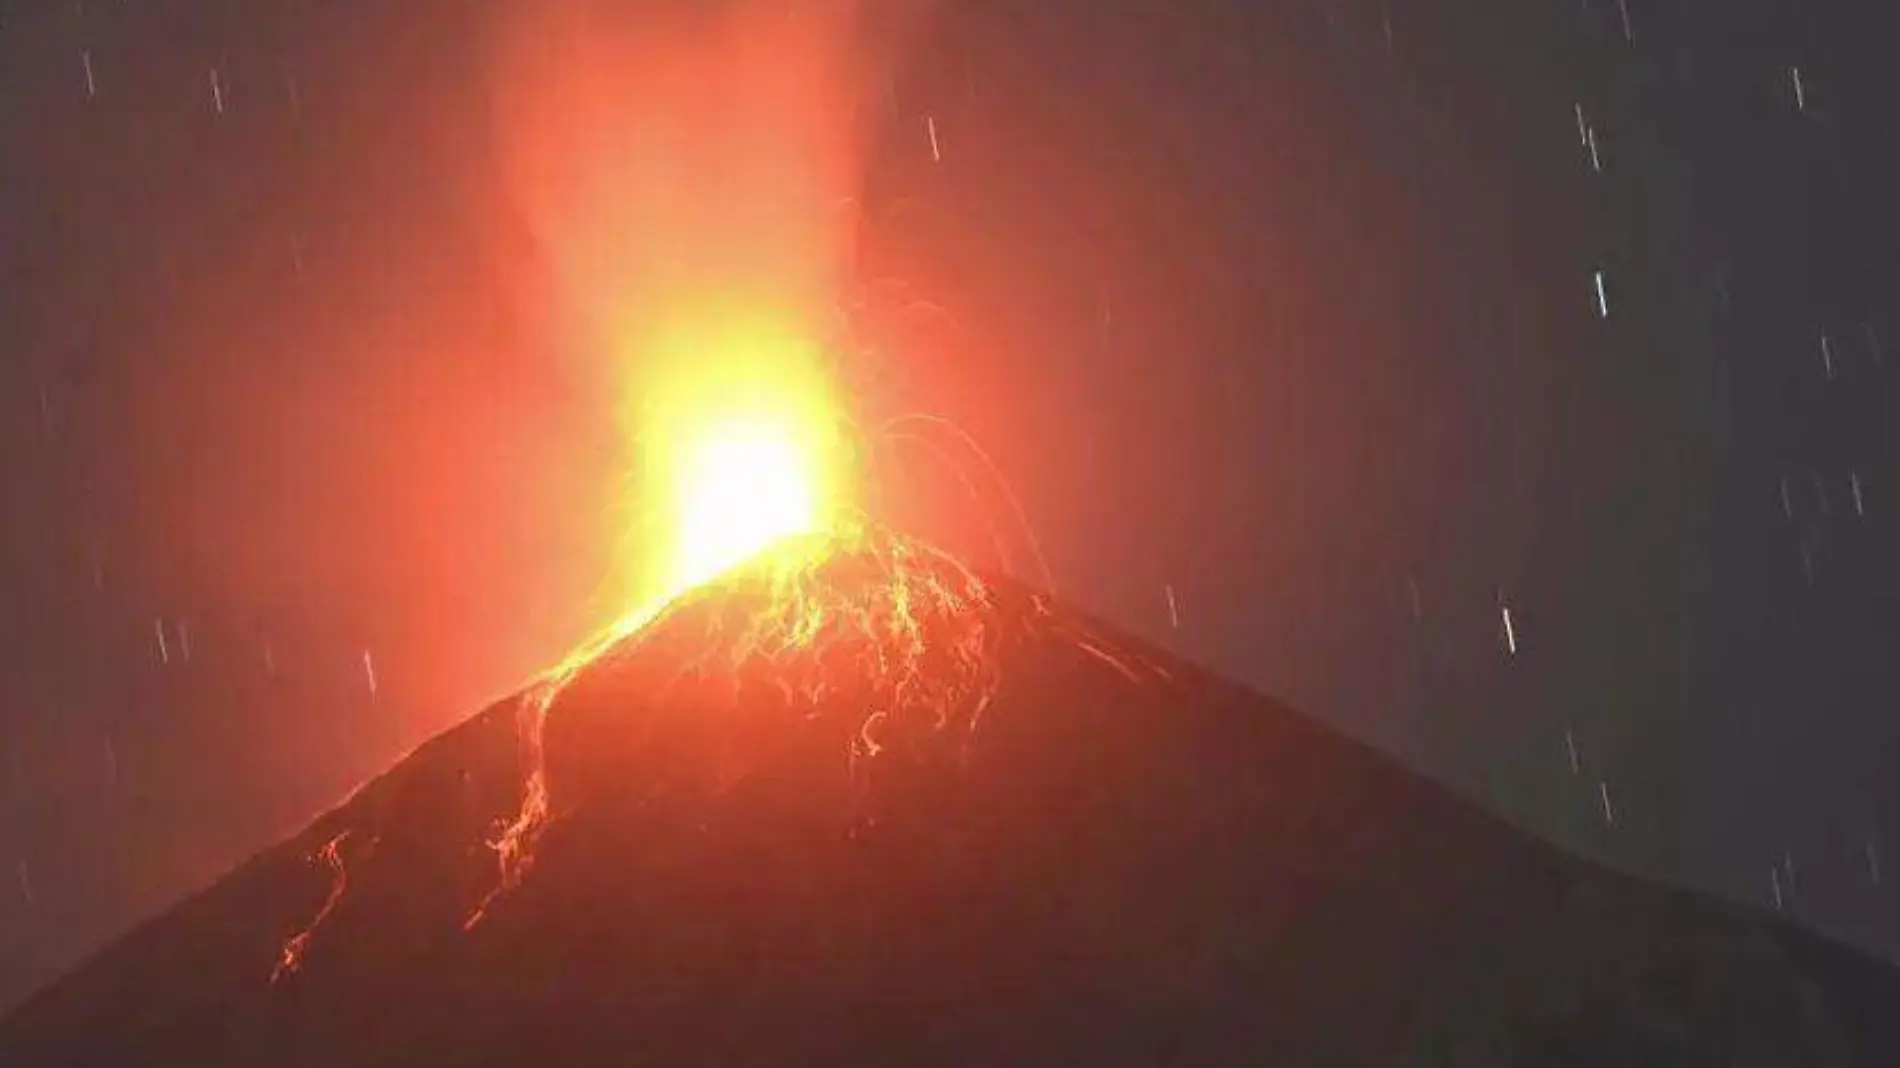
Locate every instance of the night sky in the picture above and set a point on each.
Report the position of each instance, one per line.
(1501, 382)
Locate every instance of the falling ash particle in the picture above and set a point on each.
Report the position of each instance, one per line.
(217, 90)
(1570, 747)
(936, 150)
(1774, 881)
(1827, 357)
(184, 641)
(1800, 90)
(1623, 9)
(92, 84)
(1510, 629)
(369, 672)
(1603, 297)
(164, 650)
(1860, 503)
(1174, 609)
(1603, 794)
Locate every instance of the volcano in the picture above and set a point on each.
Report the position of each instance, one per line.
(855, 804)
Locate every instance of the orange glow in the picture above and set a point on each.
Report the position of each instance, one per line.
(747, 485)
(741, 443)
(688, 176)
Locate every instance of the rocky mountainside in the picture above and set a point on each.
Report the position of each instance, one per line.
(873, 809)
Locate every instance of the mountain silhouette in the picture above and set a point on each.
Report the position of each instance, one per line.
(856, 805)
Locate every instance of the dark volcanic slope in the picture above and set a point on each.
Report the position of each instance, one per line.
(1137, 864)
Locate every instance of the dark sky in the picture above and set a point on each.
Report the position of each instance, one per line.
(1287, 307)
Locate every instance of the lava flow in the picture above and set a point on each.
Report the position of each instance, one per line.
(902, 632)
(330, 856)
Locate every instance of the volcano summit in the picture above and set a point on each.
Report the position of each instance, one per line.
(856, 804)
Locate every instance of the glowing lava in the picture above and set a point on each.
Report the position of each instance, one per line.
(290, 961)
(857, 621)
